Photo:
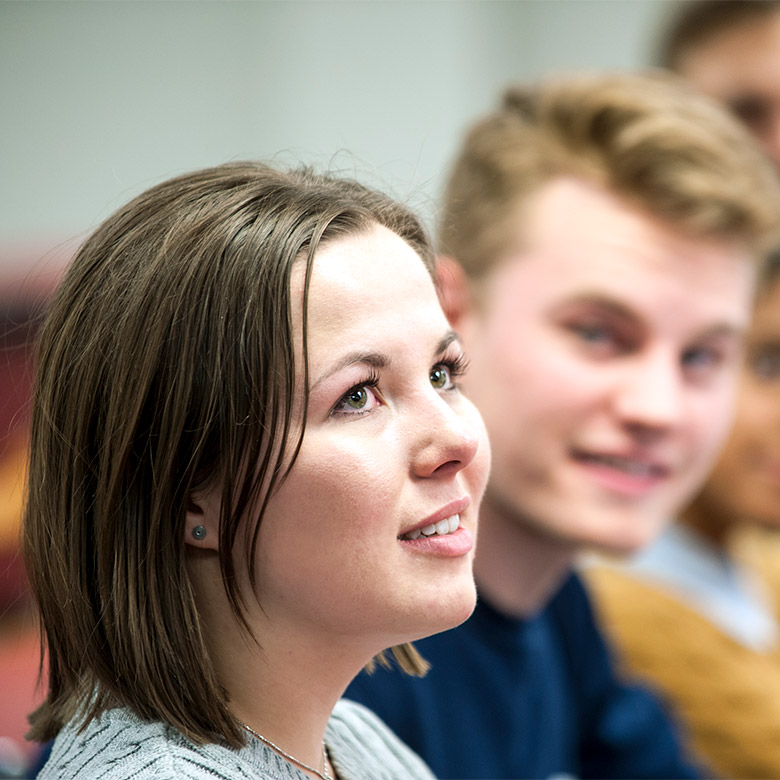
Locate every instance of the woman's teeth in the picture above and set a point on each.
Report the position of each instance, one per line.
(442, 528)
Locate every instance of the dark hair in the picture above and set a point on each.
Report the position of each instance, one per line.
(166, 365)
(698, 21)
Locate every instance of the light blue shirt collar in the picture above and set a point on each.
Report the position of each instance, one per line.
(712, 583)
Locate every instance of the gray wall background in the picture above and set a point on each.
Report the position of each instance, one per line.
(101, 99)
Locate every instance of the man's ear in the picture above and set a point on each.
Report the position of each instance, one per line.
(201, 523)
(454, 290)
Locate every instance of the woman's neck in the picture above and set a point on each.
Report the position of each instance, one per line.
(284, 685)
(285, 697)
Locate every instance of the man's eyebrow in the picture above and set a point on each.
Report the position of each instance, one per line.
(613, 306)
(618, 309)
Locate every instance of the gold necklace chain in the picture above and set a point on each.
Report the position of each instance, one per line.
(324, 775)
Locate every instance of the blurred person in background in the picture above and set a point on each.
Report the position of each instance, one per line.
(730, 50)
(599, 241)
(696, 613)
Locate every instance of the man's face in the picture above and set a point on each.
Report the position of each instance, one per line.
(741, 68)
(604, 354)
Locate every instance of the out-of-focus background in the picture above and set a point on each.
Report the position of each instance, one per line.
(100, 100)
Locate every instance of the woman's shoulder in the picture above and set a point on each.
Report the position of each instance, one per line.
(118, 745)
(362, 746)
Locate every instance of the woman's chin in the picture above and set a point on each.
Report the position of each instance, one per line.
(449, 613)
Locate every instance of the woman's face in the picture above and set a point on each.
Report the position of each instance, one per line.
(371, 535)
(745, 484)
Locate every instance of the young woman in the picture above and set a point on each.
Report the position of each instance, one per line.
(697, 613)
(251, 470)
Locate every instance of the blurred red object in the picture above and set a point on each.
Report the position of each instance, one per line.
(19, 658)
(24, 293)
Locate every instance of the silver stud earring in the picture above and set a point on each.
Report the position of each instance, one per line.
(199, 532)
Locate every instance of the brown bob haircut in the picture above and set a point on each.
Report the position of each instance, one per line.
(165, 365)
(650, 139)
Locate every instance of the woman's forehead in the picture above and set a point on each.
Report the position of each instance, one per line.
(366, 288)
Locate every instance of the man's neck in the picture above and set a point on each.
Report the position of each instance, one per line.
(517, 566)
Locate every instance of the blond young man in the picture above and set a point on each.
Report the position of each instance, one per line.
(695, 613)
(598, 239)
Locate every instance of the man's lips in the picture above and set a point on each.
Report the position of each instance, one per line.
(632, 476)
(632, 465)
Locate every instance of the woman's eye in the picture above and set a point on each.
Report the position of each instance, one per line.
(440, 378)
(357, 400)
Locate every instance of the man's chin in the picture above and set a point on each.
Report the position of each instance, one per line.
(622, 539)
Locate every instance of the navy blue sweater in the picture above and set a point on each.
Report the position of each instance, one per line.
(534, 698)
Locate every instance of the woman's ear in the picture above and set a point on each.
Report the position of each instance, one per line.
(201, 524)
(454, 290)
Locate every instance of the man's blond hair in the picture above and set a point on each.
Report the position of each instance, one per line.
(647, 138)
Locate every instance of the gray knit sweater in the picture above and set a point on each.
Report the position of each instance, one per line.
(120, 746)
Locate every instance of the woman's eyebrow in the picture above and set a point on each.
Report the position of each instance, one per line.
(373, 359)
(449, 337)
(377, 359)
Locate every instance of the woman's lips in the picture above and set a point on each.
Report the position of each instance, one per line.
(441, 533)
(450, 545)
(441, 528)
(452, 509)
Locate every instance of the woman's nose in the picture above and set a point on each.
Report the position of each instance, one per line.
(446, 438)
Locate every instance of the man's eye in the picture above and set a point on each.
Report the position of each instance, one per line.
(594, 334)
(701, 359)
(600, 340)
